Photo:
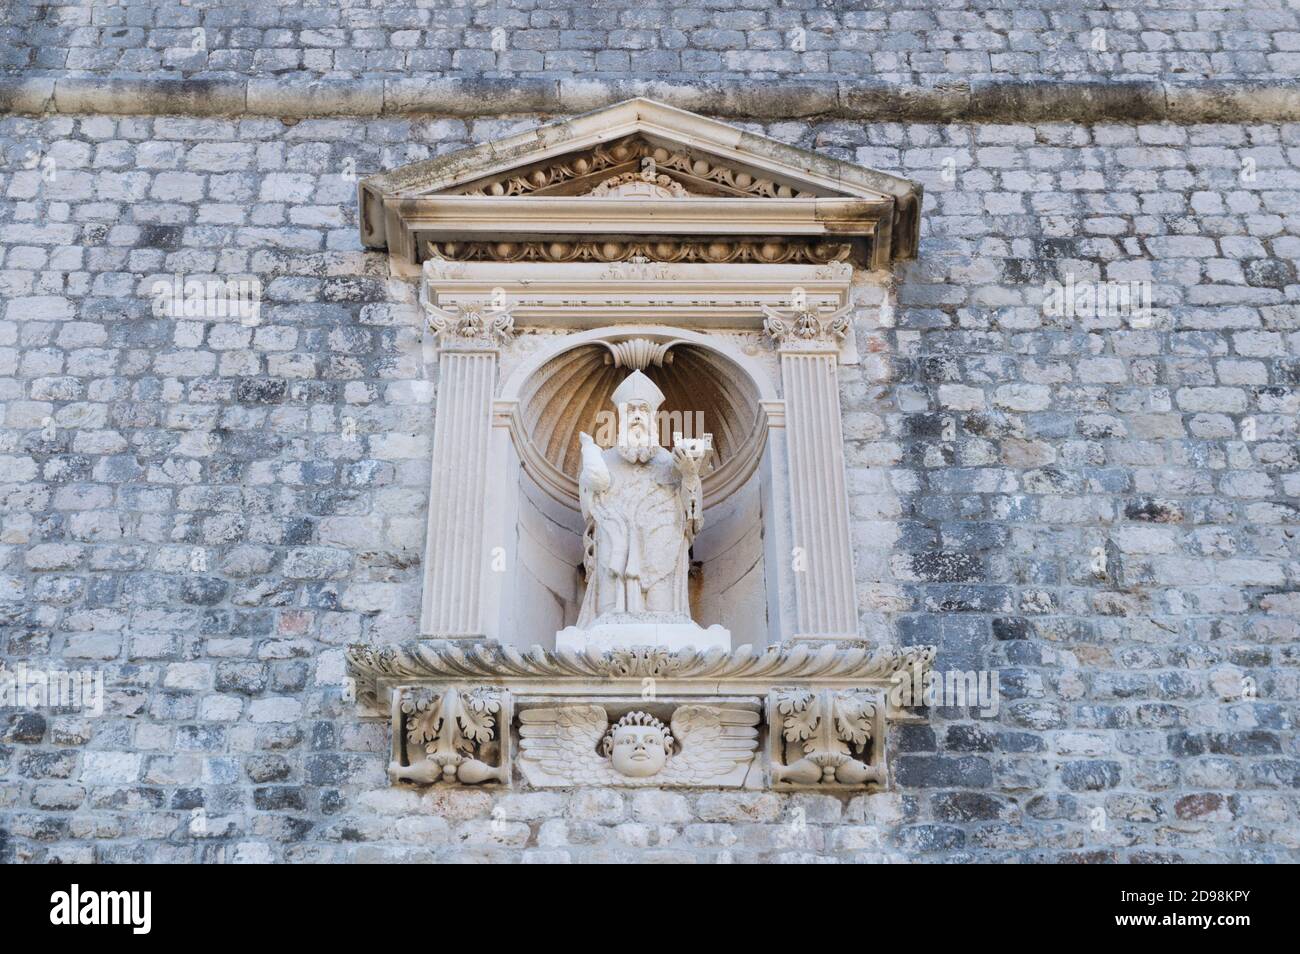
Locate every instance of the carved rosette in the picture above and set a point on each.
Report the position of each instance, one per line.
(805, 329)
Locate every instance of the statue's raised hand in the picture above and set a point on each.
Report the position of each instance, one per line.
(689, 454)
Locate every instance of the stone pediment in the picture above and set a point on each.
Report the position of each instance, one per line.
(640, 180)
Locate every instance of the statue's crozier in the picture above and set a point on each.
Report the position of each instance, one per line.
(642, 507)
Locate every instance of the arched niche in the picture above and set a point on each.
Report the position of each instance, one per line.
(709, 387)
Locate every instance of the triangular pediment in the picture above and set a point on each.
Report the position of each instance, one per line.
(649, 175)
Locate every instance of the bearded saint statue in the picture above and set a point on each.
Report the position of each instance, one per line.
(642, 507)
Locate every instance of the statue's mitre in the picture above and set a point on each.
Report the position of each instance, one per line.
(637, 387)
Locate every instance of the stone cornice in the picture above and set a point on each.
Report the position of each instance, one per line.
(594, 294)
(544, 671)
(978, 101)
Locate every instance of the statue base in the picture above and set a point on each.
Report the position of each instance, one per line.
(674, 636)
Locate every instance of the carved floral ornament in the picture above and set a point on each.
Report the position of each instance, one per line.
(672, 249)
(653, 164)
(471, 323)
(637, 717)
(805, 327)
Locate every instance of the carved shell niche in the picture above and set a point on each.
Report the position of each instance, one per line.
(566, 394)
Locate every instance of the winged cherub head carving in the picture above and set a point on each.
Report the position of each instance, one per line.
(575, 745)
(637, 745)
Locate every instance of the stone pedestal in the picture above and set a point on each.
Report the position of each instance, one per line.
(669, 636)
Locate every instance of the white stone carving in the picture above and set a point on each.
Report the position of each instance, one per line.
(450, 735)
(642, 507)
(807, 340)
(805, 327)
(640, 185)
(640, 353)
(826, 737)
(642, 290)
(709, 746)
(470, 324)
(827, 706)
(470, 334)
(636, 267)
(615, 237)
(746, 190)
(582, 671)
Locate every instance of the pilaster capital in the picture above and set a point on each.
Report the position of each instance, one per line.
(807, 329)
(470, 326)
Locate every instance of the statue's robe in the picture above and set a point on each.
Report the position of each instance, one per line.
(637, 543)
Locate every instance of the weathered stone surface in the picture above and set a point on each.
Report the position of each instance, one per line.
(1101, 508)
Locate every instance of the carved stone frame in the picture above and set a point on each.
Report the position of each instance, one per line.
(644, 221)
(639, 677)
(801, 311)
(526, 192)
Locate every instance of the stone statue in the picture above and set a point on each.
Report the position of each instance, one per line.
(642, 507)
(707, 746)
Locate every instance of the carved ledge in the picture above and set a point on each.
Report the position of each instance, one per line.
(378, 669)
(822, 708)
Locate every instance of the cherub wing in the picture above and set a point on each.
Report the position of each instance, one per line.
(717, 745)
(557, 746)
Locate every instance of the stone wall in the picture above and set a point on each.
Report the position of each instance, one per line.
(906, 41)
(1103, 510)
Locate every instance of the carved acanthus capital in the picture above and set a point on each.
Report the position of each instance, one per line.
(807, 329)
(450, 735)
(470, 325)
(826, 737)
